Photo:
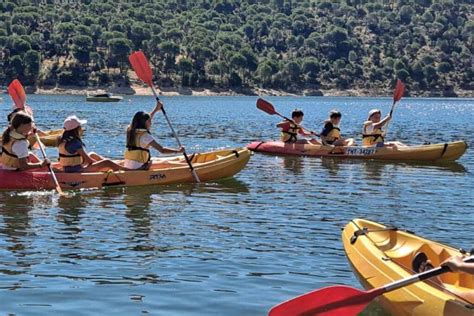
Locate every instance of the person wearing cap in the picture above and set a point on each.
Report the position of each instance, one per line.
(72, 155)
(15, 148)
(372, 133)
(331, 133)
(291, 129)
(140, 140)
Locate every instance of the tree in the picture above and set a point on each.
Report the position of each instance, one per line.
(81, 48)
(119, 51)
(265, 73)
(293, 70)
(32, 62)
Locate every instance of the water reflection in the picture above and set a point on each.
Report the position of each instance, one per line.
(293, 164)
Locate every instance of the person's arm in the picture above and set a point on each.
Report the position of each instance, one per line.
(165, 150)
(157, 108)
(382, 122)
(324, 134)
(456, 264)
(283, 124)
(25, 165)
(85, 156)
(307, 133)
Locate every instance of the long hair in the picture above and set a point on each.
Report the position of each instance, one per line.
(19, 119)
(71, 135)
(138, 122)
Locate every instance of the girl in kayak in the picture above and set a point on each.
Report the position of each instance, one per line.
(140, 140)
(72, 155)
(372, 133)
(31, 138)
(15, 148)
(331, 133)
(291, 129)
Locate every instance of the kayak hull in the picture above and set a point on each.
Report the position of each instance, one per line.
(379, 258)
(50, 139)
(209, 166)
(433, 152)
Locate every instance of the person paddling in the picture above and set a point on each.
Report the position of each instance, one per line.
(31, 138)
(421, 263)
(372, 130)
(72, 155)
(331, 133)
(291, 129)
(15, 149)
(140, 140)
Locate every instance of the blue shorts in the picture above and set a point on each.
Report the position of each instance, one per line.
(72, 169)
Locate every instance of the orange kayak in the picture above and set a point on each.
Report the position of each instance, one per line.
(432, 152)
(209, 166)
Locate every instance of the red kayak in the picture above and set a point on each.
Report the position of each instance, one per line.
(432, 152)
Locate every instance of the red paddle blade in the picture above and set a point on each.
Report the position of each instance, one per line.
(399, 91)
(329, 301)
(142, 67)
(266, 106)
(17, 93)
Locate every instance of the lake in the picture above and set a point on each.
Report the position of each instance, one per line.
(233, 247)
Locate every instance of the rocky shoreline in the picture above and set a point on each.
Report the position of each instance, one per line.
(185, 91)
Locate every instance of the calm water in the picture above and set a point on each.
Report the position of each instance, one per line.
(235, 247)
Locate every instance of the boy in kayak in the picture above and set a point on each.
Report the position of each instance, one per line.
(140, 140)
(15, 149)
(291, 129)
(372, 133)
(331, 133)
(72, 155)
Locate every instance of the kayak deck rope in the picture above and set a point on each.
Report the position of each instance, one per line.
(444, 150)
(256, 147)
(106, 183)
(365, 231)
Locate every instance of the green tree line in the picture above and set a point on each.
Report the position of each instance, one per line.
(281, 44)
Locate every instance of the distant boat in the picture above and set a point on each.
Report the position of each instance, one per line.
(103, 97)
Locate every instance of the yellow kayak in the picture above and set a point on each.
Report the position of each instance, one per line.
(50, 139)
(381, 257)
(209, 166)
(433, 152)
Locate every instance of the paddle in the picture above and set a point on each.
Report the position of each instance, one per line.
(345, 300)
(397, 95)
(142, 69)
(18, 95)
(268, 108)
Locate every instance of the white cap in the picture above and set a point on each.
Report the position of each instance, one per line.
(72, 122)
(373, 111)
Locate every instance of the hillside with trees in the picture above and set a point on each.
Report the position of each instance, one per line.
(287, 45)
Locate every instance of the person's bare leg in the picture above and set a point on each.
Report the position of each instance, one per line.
(103, 165)
(95, 156)
(33, 158)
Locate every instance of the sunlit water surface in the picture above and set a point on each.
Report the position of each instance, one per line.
(235, 247)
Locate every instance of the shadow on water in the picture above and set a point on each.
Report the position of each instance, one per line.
(374, 168)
